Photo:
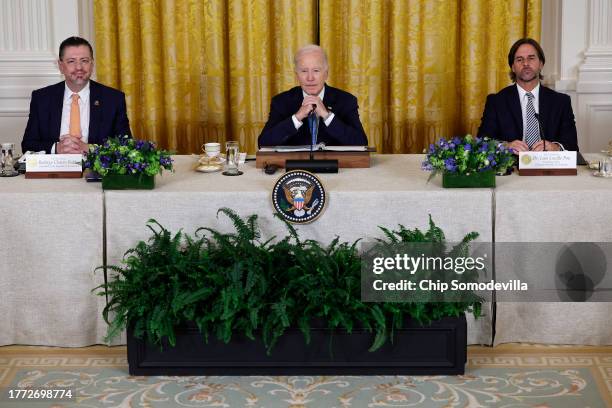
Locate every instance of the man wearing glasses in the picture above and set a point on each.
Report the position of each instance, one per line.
(70, 115)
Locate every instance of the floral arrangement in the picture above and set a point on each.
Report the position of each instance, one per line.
(468, 155)
(124, 155)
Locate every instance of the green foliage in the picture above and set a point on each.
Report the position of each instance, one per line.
(234, 284)
(124, 155)
(426, 311)
(468, 155)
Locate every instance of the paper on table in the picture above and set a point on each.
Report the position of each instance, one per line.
(318, 147)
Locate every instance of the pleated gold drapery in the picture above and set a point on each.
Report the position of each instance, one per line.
(198, 71)
(422, 69)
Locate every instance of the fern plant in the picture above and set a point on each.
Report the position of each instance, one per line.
(236, 284)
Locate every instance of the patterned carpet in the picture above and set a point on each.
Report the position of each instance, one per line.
(509, 376)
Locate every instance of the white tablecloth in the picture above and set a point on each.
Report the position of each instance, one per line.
(554, 209)
(50, 243)
(52, 237)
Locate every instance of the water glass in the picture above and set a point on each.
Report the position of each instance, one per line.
(606, 167)
(6, 157)
(231, 158)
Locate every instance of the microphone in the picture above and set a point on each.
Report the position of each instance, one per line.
(537, 116)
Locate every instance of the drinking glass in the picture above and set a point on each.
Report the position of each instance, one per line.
(7, 159)
(231, 159)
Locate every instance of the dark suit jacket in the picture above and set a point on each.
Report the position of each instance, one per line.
(502, 118)
(344, 129)
(107, 116)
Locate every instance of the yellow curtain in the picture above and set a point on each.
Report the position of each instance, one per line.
(422, 69)
(200, 71)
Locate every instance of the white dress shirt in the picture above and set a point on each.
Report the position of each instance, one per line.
(83, 109)
(327, 121)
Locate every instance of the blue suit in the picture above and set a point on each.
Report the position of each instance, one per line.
(345, 128)
(107, 116)
(502, 118)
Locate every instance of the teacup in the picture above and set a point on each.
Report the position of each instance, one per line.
(212, 149)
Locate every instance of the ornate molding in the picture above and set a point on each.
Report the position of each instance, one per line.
(595, 73)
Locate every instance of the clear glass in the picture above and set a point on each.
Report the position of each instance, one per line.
(231, 157)
(606, 169)
(7, 159)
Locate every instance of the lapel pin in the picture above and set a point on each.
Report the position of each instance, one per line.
(329, 107)
(96, 103)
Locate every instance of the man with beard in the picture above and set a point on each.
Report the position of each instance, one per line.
(512, 114)
(70, 115)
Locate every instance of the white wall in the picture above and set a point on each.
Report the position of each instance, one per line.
(576, 36)
(30, 34)
(577, 40)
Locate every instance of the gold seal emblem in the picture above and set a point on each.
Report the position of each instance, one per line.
(526, 159)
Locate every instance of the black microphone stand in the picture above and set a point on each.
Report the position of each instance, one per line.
(537, 116)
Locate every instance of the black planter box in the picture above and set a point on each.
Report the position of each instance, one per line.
(440, 348)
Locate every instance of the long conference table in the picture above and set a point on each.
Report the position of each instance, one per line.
(55, 234)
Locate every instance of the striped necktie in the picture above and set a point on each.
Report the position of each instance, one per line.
(532, 129)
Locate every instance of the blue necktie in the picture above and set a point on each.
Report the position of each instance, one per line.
(313, 126)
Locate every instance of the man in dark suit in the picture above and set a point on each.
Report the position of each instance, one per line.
(337, 110)
(70, 115)
(512, 114)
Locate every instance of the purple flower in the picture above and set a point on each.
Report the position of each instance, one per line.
(467, 147)
(426, 166)
(432, 148)
(450, 164)
(456, 140)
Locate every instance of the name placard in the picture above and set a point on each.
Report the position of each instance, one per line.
(547, 163)
(54, 166)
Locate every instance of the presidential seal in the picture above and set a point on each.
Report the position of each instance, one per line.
(299, 196)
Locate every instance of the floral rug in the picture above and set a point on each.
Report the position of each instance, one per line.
(509, 376)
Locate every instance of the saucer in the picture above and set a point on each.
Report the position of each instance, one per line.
(210, 161)
(208, 168)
